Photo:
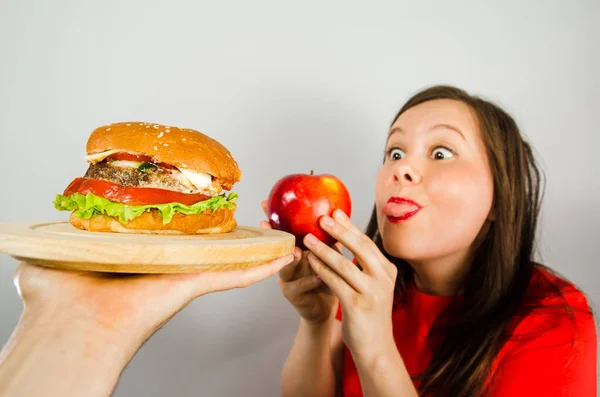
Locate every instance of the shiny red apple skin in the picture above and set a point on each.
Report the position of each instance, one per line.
(297, 202)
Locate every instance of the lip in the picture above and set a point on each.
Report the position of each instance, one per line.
(392, 215)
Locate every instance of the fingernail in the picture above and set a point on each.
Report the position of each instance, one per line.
(340, 215)
(327, 221)
(310, 239)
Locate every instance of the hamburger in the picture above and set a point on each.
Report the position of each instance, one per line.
(153, 178)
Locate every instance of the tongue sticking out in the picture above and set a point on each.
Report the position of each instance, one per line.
(398, 210)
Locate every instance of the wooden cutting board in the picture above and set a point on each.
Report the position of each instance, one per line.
(61, 245)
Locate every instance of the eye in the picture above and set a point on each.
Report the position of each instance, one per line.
(442, 153)
(395, 154)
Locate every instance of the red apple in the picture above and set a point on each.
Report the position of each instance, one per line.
(297, 202)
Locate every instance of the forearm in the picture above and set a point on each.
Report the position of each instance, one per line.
(52, 356)
(385, 375)
(308, 370)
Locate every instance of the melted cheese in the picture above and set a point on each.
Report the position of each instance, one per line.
(198, 179)
(98, 157)
(126, 163)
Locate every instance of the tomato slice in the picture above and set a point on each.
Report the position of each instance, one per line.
(131, 195)
(124, 156)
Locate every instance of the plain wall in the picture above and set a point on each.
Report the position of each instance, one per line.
(287, 87)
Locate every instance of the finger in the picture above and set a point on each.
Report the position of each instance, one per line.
(337, 262)
(239, 278)
(287, 273)
(265, 225)
(331, 278)
(338, 247)
(303, 268)
(341, 217)
(296, 288)
(324, 288)
(360, 245)
(263, 204)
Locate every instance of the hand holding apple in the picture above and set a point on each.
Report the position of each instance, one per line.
(299, 284)
(297, 202)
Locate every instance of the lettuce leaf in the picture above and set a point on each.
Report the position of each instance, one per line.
(86, 206)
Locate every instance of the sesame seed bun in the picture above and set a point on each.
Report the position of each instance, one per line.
(181, 147)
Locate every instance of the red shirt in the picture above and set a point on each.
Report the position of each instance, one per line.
(541, 366)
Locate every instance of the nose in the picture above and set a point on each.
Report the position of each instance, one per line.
(406, 173)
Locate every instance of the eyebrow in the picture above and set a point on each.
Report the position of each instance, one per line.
(447, 126)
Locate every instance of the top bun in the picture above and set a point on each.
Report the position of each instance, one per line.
(181, 147)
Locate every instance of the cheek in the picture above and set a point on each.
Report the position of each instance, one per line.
(460, 204)
(382, 184)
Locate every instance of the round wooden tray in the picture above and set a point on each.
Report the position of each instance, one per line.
(61, 245)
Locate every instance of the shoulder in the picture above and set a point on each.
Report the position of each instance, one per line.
(547, 289)
(554, 313)
(551, 342)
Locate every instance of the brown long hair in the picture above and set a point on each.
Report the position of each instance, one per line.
(466, 340)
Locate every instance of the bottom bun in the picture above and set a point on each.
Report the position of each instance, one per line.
(220, 221)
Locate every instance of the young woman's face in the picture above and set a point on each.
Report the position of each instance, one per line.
(434, 191)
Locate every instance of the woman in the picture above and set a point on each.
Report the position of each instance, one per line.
(446, 298)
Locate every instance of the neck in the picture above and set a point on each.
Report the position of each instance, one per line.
(440, 276)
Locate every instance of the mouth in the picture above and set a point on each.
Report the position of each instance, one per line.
(400, 209)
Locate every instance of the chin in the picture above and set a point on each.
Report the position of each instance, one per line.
(400, 244)
(401, 250)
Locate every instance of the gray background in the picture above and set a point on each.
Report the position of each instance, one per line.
(287, 87)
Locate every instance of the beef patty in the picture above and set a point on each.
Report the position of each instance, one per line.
(153, 177)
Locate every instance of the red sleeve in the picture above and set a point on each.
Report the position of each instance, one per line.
(560, 360)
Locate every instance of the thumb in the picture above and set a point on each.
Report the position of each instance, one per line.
(213, 281)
